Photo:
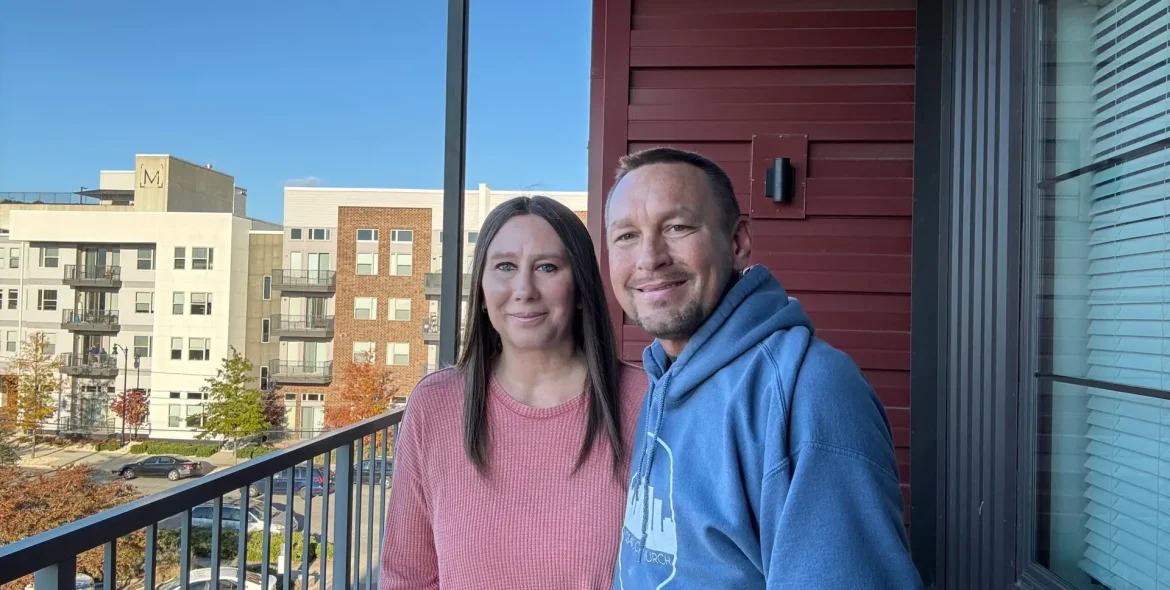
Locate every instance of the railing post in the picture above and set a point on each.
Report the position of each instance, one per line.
(343, 518)
(454, 181)
(59, 576)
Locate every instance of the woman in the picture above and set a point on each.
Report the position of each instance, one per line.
(512, 466)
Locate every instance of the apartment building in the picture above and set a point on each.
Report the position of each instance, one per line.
(143, 282)
(360, 280)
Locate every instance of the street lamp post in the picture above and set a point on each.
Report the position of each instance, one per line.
(125, 384)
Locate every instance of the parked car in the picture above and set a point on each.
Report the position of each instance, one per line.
(173, 468)
(83, 582)
(280, 484)
(372, 470)
(228, 578)
(203, 516)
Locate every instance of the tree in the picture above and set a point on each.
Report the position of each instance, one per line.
(235, 407)
(366, 391)
(273, 406)
(34, 503)
(131, 406)
(37, 370)
(8, 453)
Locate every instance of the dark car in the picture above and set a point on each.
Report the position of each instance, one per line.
(172, 468)
(373, 469)
(280, 484)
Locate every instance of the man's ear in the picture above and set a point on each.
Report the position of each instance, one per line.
(741, 243)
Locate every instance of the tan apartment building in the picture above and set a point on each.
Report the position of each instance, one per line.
(360, 280)
(144, 282)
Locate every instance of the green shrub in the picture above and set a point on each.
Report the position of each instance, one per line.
(110, 444)
(159, 447)
(168, 544)
(253, 452)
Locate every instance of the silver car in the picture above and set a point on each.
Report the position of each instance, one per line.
(203, 516)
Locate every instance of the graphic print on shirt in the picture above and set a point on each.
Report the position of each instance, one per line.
(661, 549)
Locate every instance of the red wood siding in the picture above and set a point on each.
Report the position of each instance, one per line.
(709, 76)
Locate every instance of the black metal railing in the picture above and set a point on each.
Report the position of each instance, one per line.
(324, 474)
(89, 364)
(433, 284)
(90, 319)
(294, 279)
(301, 372)
(302, 324)
(47, 198)
(93, 275)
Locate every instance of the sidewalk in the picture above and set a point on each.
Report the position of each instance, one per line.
(49, 458)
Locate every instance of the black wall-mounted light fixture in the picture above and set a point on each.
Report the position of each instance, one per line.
(780, 183)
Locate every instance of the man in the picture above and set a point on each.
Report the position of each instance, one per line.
(763, 457)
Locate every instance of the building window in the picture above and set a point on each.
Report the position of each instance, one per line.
(319, 235)
(10, 341)
(174, 415)
(401, 265)
(50, 343)
(265, 330)
(202, 258)
(440, 237)
(398, 354)
(142, 346)
(367, 263)
(365, 308)
(472, 237)
(50, 257)
(180, 258)
(144, 302)
(176, 349)
(367, 235)
(363, 352)
(1101, 391)
(402, 236)
(399, 310)
(201, 304)
(200, 349)
(266, 290)
(264, 378)
(295, 233)
(47, 299)
(146, 259)
(13, 299)
(195, 416)
(177, 303)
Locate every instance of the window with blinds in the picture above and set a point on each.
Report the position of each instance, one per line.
(1127, 478)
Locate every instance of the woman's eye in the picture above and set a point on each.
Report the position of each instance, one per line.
(505, 266)
(547, 268)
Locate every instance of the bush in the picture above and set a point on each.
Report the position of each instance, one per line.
(253, 452)
(107, 445)
(158, 447)
(168, 544)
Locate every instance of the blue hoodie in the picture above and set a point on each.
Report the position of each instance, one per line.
(770, 461)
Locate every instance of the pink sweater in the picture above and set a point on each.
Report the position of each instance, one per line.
(531, 523)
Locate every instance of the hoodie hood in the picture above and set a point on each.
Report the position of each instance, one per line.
(755, 308)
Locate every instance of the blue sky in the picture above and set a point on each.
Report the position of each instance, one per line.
(339, 94)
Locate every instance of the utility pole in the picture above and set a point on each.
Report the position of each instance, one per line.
(125, 384)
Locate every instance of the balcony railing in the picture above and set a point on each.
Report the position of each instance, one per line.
(344, 498)
(291, 372)
(99, 366)
(305, 281)
(90, 320)
(97, 277)
(433, 285)
(302, 326)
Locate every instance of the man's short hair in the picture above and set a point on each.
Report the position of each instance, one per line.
(717, 179)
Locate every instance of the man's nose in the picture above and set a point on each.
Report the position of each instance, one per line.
(652, 254)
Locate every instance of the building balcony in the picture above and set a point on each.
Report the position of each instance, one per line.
(299, 373)
(94, 366)
(93, 277)
(297, 280)
(302, 326)
(433, 285)
(100, 321)
(333, 502)
(430, 329)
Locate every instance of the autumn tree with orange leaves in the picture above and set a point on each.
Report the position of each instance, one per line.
(34, 503)
(366, 391)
